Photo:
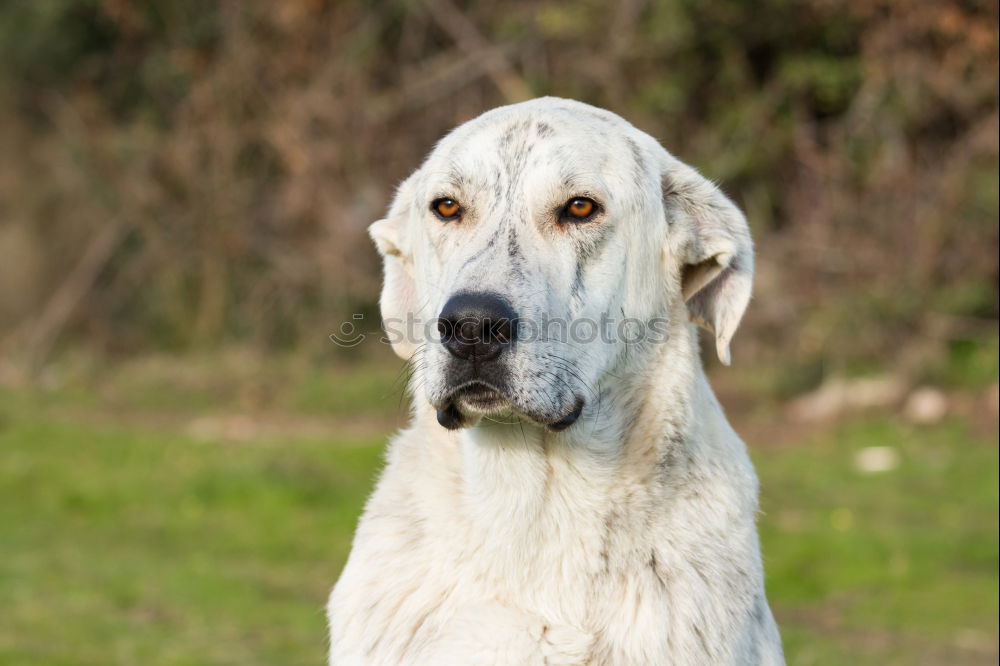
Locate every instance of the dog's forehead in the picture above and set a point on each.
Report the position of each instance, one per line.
(545, 121)
(547, 134)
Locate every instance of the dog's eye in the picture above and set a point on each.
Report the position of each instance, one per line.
(578, 209)
(446, 209)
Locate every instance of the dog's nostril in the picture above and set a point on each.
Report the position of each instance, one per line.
(444, 328)
(501, 330)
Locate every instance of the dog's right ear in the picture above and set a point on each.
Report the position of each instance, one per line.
(398, 300)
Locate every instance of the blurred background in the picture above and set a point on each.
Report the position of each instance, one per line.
(184, 192)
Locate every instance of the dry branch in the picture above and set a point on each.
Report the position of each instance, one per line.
(468, 37)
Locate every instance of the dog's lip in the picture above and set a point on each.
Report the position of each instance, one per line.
(477, 394)
(569, 418)
(449, 417)
(481, 397)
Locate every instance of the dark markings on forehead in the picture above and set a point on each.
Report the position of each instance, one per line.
(639, 161)
(490, 244)
(544, 130)
(570, 176)
(515, 134)
(515, 254)
(514, 149)
(513, 244)
(464, 183)
(456, 177)
(497, 184)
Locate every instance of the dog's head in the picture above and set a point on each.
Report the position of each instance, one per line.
(540, 242)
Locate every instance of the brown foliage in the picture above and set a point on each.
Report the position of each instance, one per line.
(242, 148)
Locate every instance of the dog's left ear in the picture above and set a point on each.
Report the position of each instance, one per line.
(711, 239)
(398, 299)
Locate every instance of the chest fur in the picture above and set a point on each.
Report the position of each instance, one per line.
(511, 545)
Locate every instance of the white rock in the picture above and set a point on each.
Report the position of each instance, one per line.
(926, 405)
(839, 396)
(874, 459)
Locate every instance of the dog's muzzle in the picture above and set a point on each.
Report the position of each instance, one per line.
(479, 329)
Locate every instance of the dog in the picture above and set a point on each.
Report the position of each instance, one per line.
(559, 497)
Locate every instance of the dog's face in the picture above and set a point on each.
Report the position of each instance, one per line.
(536, 246)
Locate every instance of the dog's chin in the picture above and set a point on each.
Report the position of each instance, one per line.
(469, 404)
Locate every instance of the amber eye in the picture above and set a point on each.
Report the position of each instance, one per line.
(579, 208)
(446, 209)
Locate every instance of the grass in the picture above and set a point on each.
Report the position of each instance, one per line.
(898, 567)
(129, 543)
(133, 547)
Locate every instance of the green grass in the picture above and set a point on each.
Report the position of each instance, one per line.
(132, 547)
(128, 543)
(897, 567)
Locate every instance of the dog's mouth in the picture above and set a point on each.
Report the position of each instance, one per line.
(472, 399)
(478, 399)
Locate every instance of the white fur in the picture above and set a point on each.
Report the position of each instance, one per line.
(628, 538)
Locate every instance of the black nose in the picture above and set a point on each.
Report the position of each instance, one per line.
(477, 327)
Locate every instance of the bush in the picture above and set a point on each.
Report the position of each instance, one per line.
(237, 151)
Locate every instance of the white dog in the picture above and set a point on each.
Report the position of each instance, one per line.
(569, 490)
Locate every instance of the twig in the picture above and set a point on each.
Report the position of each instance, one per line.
(45, 329)
(438, 76)
(468, 37)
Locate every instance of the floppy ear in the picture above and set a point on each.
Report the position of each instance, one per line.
(398, 297)
(712, 241)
